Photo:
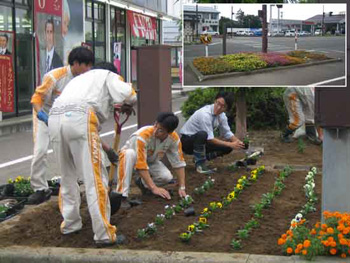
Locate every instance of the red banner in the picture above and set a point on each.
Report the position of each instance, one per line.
(6, 84)
(52, 7)
(142, 26)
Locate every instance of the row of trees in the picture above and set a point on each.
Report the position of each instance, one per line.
(243, 21)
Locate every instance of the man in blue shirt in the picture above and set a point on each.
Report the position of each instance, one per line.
(197, 134)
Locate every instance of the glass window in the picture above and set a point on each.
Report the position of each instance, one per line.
(6, 18)
(24, 48)
(117, 36)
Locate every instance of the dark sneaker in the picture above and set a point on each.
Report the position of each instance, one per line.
(120, 240)
(314, 140)
(144, 190)
(203, 169)
(115, 200)
(286, 139)
(39, 197)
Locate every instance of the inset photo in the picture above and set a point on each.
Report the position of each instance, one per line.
(264, 45)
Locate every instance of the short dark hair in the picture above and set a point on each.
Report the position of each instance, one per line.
(228, 98)
(81, 55)
(50, 21)
(168, 120)
(5, 36)
(106, 65)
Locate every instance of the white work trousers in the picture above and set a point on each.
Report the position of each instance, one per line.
(77, 147)
(127, 158)
(39, 165)
(299, 112)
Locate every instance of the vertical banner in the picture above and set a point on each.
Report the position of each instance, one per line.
(117, 47)
(142, 26)
(59, 26)
(6, 72)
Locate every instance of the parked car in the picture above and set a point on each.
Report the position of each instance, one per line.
(304, 33)
(240, 33)
(290, 33)
(212, 32)
(258, 33)
(318, 32)
(248, 33)
(275, 34)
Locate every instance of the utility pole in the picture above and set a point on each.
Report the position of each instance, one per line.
(323, 27)
(224, 29)
(270, 25)
(264, 29)
(197, 20)
(278, 18)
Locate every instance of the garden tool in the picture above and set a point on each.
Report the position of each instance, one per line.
(117, 129)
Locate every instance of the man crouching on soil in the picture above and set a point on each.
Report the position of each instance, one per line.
(197, 134)
(144, 151)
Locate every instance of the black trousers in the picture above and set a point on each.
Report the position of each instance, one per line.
(189, 142)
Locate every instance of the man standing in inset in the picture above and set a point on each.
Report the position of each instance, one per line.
(3, 45)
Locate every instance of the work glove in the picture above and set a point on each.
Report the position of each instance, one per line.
(112, 156)
(127, 109)
(43, 117)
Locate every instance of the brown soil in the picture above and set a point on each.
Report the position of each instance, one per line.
(40, 226)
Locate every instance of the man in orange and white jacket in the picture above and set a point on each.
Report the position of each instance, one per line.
(80, 60)
(144, 151)
(74, 123)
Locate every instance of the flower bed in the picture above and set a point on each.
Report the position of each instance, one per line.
(241, 62)
(40, 226)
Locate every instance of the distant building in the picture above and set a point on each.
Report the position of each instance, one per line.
(332, 23)
(287, 24)
(208, 19)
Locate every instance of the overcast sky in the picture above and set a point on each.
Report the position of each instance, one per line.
(290, 11)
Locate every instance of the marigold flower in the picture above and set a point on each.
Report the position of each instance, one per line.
(326, 243)
(289, 250)
(340, 236)
(307, 243)
(289, 232)
(343, 255)
(333, 244)
(343, 241)
(333, 251)
(321, 233)
(304, 252)
(284, 236)
(324, 226)
(317, 225)
(330, 230)
(313, 232)
(299, 246)
(341, 227)
(297, 251)
(346, 230)
(281, 241)
(293, 225)
(330, 239)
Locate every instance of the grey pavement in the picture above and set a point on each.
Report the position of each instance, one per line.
(331, 46)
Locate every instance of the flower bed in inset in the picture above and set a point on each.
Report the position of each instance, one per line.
(41, 227)
(246, 62)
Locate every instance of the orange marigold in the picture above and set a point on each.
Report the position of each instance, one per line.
(330, 230)
(281, 241)
(300, 246)
(313, 232)
(317, 225)
(341, 227)
(333, 244)
(340, 236)
(289, 233)
(333, 251)
(326, 243)
(346, 230)
(304, 252)
(321, 233)
(330, 239)
(324, 226)
(343, 241)
(307, 243)
(343, 255)
(284, 236)
(297, 251)
(289, 250)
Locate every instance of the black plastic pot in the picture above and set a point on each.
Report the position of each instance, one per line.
(189, 211)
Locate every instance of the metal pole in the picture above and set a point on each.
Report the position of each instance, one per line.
(206, 50)
(296, 39)
(278, 20)
(264, 30)
(197, 19)
(270, 25)
(224, 39)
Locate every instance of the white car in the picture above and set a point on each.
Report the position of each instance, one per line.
(290, 33)
(211, 32)
(304, 33)
(318, 32)
(248, 33)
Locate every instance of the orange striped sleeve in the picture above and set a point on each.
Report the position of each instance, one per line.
(141, 156)
(42, 90)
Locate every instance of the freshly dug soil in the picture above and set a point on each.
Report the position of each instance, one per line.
(40, 226)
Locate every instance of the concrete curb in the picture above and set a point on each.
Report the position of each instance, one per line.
(75, 255)
(202, 77)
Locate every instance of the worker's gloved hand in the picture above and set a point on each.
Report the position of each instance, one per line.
(112, 156)
(127, 109)
(43, 117)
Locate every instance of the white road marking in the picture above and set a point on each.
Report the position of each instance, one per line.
(29, 157)
(326, 81)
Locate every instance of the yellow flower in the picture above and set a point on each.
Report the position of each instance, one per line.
(231, 196)
(202, 220)
(240, 181)
(262, 167)
(212, 204)
(191, 228)
(239, 186)
(244, 177)
(254, 171)
(219, 204)
(205, 210)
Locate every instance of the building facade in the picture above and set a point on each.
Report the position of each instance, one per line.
(112, 29)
